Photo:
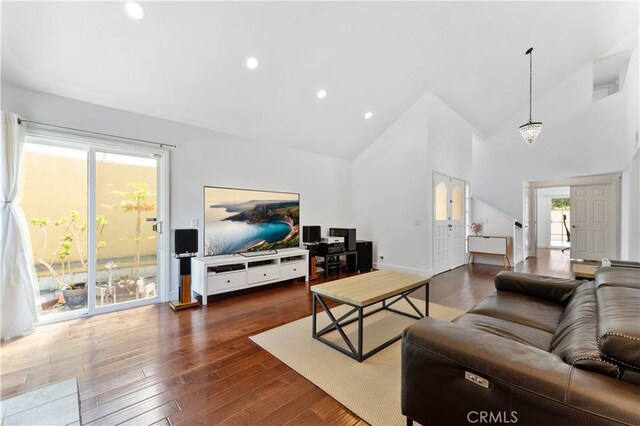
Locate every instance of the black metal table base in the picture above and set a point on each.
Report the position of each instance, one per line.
(337, 324)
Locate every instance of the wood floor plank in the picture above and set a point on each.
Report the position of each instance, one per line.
(291, 410)
(307, 417)
(341, 417)
(158, 414)
(131, 411)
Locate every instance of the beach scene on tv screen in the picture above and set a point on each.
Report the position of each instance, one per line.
(238, 220)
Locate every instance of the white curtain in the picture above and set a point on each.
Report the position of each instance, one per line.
(17, 279)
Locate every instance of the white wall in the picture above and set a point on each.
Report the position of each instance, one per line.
(543, 214)
(580, 137)
(205, 157)
(630, 213)
(495, 223)
(392, 182)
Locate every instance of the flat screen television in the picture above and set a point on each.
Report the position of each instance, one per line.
(242, 220)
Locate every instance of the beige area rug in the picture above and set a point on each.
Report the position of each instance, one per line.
(370, 389)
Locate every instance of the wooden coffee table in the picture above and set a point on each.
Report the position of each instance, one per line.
(360, 292)
(586, 270)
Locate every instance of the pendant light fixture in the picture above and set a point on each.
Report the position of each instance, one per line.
(530, 130)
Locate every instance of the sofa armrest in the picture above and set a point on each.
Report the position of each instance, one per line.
(535, 385)
(558, 290)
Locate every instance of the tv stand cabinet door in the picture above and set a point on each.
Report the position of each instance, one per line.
(293, 270)
(477, 244)
(260, 274)
(226, 282)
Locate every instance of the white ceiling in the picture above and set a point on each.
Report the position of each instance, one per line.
(185, 60)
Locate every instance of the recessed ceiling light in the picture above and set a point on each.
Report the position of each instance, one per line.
(134, 10)
(321, 94)
(368, 115)
(252, 63)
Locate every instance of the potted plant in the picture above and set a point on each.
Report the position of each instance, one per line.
(476, 228)
(74, 227)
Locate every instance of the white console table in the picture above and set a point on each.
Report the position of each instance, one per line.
(221, 274)
(489, 246)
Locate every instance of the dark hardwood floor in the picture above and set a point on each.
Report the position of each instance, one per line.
(154, 366)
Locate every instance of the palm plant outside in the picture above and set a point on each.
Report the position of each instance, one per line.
(136, 200)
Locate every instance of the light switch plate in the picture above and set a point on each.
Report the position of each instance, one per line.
(194, 222)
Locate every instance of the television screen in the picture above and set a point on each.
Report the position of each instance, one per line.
(240, 220)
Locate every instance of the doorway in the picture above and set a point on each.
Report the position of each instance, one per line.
(450, 212)
(588, 228)
(95, 211)
(553, 217)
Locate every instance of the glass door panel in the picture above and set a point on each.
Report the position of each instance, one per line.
(54, 201)
(126, 213)
(457, 197)
(560, 223)
(442, 202)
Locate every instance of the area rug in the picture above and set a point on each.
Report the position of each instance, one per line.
(370, 389)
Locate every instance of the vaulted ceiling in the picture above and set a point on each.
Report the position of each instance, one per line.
(185, 61)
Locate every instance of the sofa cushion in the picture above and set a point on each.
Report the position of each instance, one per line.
(575, 338)
(618, 277)
(558, 290)
(618, 328)
(509, 330)
(521, 309)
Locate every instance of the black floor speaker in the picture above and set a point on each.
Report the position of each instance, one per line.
(185, 241)
(365, 255)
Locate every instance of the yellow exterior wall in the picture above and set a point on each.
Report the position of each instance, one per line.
(53, 185)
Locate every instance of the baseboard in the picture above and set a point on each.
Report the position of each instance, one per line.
(406, 269)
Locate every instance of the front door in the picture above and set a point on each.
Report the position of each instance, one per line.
(448, 224)
(591, 222)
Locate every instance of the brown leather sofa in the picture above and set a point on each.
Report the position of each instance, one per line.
(540, 351)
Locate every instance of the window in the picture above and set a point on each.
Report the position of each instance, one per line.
(457, 200)
(609, 74)
(442, 202)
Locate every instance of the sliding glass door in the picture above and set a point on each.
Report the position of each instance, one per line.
(126, 200)
(54, 183)
(95, 214)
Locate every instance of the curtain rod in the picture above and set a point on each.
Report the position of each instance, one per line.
(161, 145)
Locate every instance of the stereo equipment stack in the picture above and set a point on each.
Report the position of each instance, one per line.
(349, 235)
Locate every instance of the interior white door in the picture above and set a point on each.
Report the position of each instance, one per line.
(448, 223)
(591, 222)
(440, 223)
(456, 223)
(529, 240)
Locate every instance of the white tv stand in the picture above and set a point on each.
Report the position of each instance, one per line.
(221, 274)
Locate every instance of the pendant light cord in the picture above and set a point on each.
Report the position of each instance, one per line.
(530, 53)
